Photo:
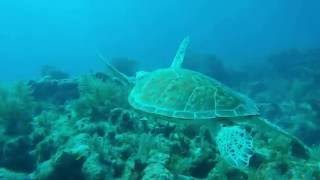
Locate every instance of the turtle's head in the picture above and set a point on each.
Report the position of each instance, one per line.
(141, 74)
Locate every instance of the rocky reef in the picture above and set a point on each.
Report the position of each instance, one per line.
(83, 128)
(287, 91)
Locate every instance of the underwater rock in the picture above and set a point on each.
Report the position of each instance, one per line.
(45, 150)
(157, 171)
(98, 136)
(201, 165)
(118, 168)
(41, 126)
(180, 145)
(52, 72)
(139, 166)
(156, 168)
(123, 119)
(190, 131)
(84, 125)
(93, 169)
(284, 61)
(20, 125)
(10, 175)
(283, 168)
(15, 155)
(99, 97)
(16, 109)
(45, 171)
(159, 158)
(287, 170)
(236, 174)
(54, 91)
(165, 129)
(294, 63)
(51, 132)
(67, 162)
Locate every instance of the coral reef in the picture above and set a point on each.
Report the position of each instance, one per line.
(296, 63)
(287, 91)
(99, 96)
(54, 91)
(16, 109)
(84, 128)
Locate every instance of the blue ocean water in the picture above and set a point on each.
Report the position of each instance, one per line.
(159, 89)
(67, 34)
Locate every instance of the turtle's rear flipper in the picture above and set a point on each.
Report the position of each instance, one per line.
(115, 73)
(298, 148)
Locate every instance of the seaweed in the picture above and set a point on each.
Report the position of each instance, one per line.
(98, 97)
(16, 109)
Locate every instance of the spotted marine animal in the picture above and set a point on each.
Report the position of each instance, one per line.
(187, 96)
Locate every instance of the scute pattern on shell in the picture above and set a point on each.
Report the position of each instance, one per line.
(185, 94)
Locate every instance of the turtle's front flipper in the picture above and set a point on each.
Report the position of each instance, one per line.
(178, 59)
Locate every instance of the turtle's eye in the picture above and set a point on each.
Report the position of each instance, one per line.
(141, 74)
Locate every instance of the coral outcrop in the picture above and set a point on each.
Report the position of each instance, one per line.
(83, 128)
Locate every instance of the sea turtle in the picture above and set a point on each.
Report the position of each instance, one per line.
(187, 96)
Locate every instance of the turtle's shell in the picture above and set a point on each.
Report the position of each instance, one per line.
(185, 94)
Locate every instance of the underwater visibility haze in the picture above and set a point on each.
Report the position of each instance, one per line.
(182, 90)
(61, 33)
